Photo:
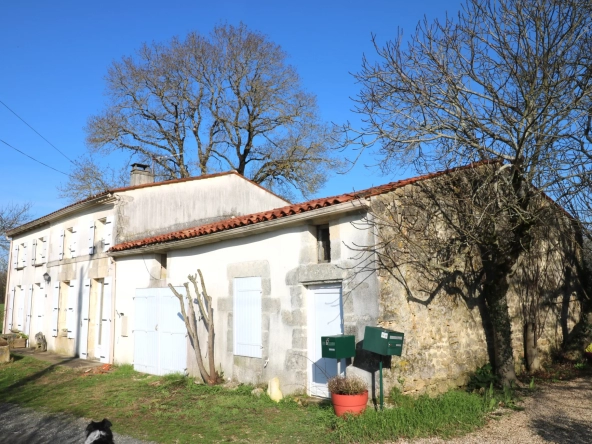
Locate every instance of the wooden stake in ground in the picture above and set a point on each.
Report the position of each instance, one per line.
(206, 310)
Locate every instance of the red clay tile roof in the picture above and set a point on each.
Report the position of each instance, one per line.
(105, 193)
(277, 213)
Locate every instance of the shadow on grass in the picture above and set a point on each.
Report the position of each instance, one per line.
(24, 381)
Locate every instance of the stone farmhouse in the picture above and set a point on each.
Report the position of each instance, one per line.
(281, 276)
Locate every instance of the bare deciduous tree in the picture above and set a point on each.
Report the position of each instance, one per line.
(224, 101)
(88, 177)
(507, 79)
(11, 216)
(204, 301)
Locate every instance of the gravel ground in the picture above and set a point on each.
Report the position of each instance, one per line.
(20, 425)
(558, 413)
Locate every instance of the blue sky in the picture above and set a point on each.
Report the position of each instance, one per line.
(54, 56)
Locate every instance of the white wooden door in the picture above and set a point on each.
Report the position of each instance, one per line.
(39, 306)
(325, 318)
(20, 307)
(29, 309)
(98, 318)
(84, 319)
(10, 310)
(106, 321)
(160, 344)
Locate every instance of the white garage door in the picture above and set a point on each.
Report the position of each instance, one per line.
(160, 345)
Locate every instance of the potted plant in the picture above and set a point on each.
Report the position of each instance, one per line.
(348, 394)
(588, 353)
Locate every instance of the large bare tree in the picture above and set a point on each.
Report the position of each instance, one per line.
(228, 100)
(505, 79)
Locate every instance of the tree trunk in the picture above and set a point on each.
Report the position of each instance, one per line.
(531, 352)
(495, 291)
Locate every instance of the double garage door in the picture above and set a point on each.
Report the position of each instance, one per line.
(160, 344)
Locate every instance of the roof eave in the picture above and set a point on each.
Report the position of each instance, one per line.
(248, 230)
(45, 220)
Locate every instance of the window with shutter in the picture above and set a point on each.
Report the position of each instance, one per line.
(108, 233)
(55, 309)
(28, 307)
(61, 244)
(44, 250)
(247, 317)
(74, 242)
(72, 313)
(20, 309)
(91, 238)
(34, 252)
(15, 256)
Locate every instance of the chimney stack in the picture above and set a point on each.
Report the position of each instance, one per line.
(140, 174)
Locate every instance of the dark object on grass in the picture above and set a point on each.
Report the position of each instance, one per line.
(99, 432)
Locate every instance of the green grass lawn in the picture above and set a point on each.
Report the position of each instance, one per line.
(173, 409)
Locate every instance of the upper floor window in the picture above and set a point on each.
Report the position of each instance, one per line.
(19, 259)
(100, 236)
(39, 251)
(323, 244)
(68, 245)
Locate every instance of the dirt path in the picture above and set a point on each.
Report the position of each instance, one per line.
(560, 412)
(20, 425)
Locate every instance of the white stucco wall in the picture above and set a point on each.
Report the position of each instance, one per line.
(286, 260)
(157, 209)
(82, 266)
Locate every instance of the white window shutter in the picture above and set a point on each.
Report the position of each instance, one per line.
(108, 233)
(28, 298)
(74, 242)
(33, 251)
(72, 313)
(20, 310)
(15, 251)
(84, 319)
(55, 309)
(61, 244)
(106, 320)
(24, 256)
(247, 317)
(40, 301)
(10, 308)
(44, 251)
(91, 237)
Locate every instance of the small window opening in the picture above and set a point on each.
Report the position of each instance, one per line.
(323, 243)
(162, 261)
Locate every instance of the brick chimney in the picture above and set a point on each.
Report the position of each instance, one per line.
(140, 174)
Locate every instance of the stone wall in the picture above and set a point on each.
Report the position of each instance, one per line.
(447, 333)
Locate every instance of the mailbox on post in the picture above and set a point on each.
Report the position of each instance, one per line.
(383, 342)
(338, 346)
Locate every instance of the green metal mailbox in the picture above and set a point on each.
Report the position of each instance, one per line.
(338, 346)
(382, 341)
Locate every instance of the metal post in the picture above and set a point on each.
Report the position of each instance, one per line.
(381, 398)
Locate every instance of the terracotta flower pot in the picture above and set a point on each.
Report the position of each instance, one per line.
(354, 404)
